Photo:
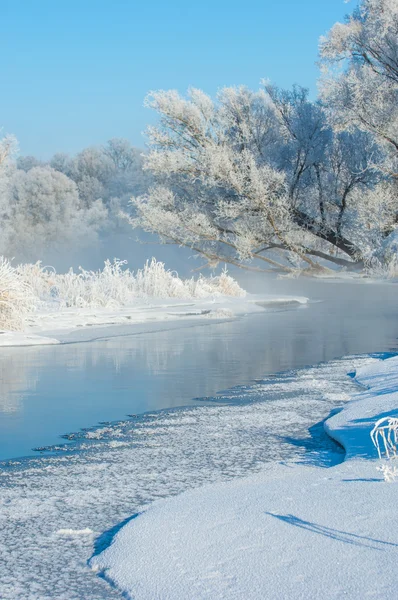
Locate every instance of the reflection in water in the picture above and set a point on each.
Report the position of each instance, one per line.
(16, 377)
(49, 391)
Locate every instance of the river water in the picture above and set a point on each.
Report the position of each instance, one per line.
(50, 391)
(59, 508)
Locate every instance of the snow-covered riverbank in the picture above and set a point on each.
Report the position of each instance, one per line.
(290, 531)
(52, 324)
(39, 306)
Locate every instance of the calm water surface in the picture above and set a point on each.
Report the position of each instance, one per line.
(49, 391)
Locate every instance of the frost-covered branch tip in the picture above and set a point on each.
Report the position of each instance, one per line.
(384, 436)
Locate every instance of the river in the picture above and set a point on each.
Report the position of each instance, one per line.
(50, 391)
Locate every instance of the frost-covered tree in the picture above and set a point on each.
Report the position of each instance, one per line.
(214, 195)
(256, 176)
(112, 172)
(360, 83)
(121, 153)
(127, 176)
(8, 150)
(90, 190)
(25, 163)
(61, 162)
(360, 90)
(91, 162)
(42, 209)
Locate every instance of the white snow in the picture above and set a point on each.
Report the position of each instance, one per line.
(52, 324)
(291, 531)
(19, 338)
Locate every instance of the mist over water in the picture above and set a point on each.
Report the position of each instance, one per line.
(134, 246)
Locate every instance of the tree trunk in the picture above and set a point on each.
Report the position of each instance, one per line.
(324, 233)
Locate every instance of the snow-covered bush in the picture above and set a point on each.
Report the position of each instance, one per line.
(384, 436)
(157, 282)
(16, 297)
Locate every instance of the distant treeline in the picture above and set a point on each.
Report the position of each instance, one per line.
(67, 200)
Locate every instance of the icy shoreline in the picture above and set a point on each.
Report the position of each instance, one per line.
(53, 325)
(54, 509)
(299, 532)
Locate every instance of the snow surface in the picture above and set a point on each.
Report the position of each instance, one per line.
(51, 324)
(18, 338)
(288, 532)
(57, 510)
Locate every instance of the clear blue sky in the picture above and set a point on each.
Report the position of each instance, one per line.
(75, 72)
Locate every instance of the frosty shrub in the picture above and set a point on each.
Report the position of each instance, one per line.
(116, 286)
(384, 436)
(157, 282)
(383, 270)
(16, 297)
(385, 265)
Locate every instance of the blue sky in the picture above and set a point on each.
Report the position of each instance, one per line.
(75, 72)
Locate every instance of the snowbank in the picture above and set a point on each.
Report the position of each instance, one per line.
(86, 324)
(288, 532)
(17, 338)
(351, 427)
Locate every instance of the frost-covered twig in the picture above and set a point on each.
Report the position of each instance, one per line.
(386, 432)
(384, 436)
(389, 473)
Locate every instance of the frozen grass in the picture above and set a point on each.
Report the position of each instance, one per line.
(31, 286)
(27, 287)
(116, 286)
(16, 297)
(384, 436)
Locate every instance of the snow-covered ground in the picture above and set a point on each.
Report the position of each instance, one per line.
(291, 531)
(57, 510)
(52, 324)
